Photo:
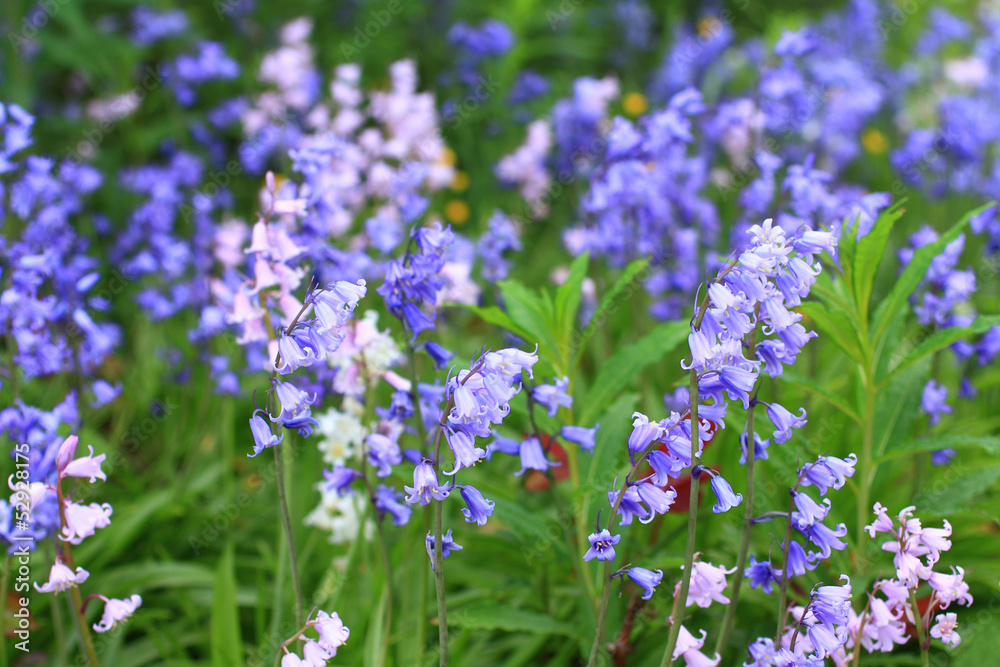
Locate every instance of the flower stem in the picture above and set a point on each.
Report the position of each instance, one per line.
(748, 516)
(918, 623)
(675, 627)
(602, 610)
(286, 521)
(783, 586)
(439, 582)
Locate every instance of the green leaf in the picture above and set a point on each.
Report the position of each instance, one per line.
(494, 315)
(898, 406)
(627, 362)
(910, 354)
(607, 306)
(225, 641)
(491, 617)
(812, 386)
(847, 249)
(956, 496)
(529, 312)
(375, 641)
(871, 250)
(914, 273)
(568, 298)
(988, 443)
(835, 326)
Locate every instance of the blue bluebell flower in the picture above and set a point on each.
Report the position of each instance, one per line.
(798, 563)
(383, 453)
(784, 421)
(262, 435)
(479, 508)
(339, 479)
(580, 435)
(425, 485)
(553, 396)
(602, 546)
(387, 501)
(648, 580)
(759, 448)
(727, 499)
(533, 457)
(657, 500)
(447, 546)
(762, 575)
(438, 354)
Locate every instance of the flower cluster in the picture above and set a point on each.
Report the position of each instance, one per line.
(315, 652)
(916, 551)
(806, 517)
(79, 521)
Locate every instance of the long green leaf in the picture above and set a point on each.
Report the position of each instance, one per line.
(225, 640)
(898, 406)
(492, 617)
(988, 443)
(870, 252)
(956, 496)
(938, 341)
(568, 300)
(604, 307)
(628, 362)
(532, 314)
(914, 274)
(375, 641)
(494, 315)
(812, 386)
(835, 326)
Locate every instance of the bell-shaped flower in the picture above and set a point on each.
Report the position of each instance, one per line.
(62, 578)
(116, 611)
(82, 521)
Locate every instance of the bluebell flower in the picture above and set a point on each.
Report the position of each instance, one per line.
(933, 401)
(727, 499)
(602, 546)
(479, 508)
(425, 485)
(383, 453)
(438, 354)
(104, 393)
(630, 505)
(447, 546)
(797, 563)
(832, 604)
(657, 500)
(303, 422)
(580, 435)
(943, 457)
(810, 511)
(505, 445)
(824, 639)
(648, 580)
(291, 400)
(644, 433)
(533, 457)
(339, 479)
(827, 472)
(759, 448)
(784, 421)
(824, 537)
(262, 435)
(463, 446)
(553, 396)
(401, 407)
(762, 574)
(387, 501)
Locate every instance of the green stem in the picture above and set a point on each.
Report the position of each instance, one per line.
(748, 516)
(783, 586)
(925, 656)
(602, 610)
(439, 581)
(675, 627)
(286, 521)
(421, 631)
(865, 467)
